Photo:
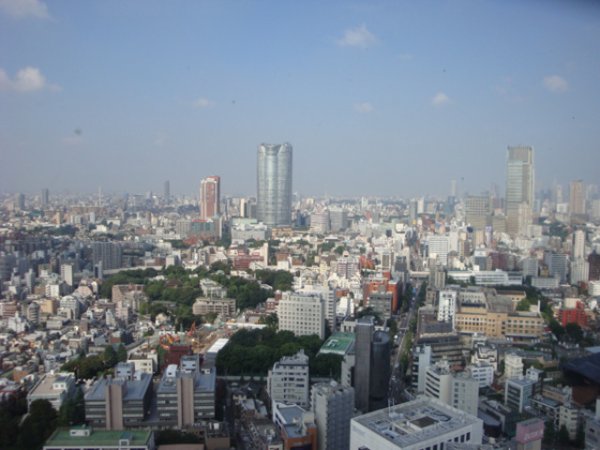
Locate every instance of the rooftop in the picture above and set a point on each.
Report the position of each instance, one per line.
(338, 343)
(415, 421)
(133, 389)
(99, 438)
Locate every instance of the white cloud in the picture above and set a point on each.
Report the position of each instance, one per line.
(28, 79)
(357, 37)
(202, 103)
(554, 83)
(364, 107)
(440, 99)
(25, 8)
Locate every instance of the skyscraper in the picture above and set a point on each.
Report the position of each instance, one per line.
(45, 199)
(274, 184)
(167, 191)
(576, 197)
(519, 189)
(210, 197)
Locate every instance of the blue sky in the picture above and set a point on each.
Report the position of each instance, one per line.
(377, 98)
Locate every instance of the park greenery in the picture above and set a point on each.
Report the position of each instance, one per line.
(86, 367)
(253, 353)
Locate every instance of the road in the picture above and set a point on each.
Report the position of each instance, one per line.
(397, 378)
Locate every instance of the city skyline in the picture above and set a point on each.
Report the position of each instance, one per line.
(401, 89)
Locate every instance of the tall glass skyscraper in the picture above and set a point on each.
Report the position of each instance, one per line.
(274, 184)
(519, 189)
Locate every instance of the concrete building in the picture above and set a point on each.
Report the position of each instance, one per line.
(222, 306)
(119, 403)
(302, 314)
(592, 429)
(56, 388)
(288, 380)
(483, 372)
(415, 425)
(513, 366)
(107, 254)
(438, 382)
(332, 405)
(421, 363)
(274, 184)
(518, 393)
(372, 365)
(439, 247)
(520, 185)
(576, 198)
(465, 393)
(447, 299)
(210, 197)
(186, 397)
(87, 438)
(296, 425)
(477, 210)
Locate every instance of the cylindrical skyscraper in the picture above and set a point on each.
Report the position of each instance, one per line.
(274, 184)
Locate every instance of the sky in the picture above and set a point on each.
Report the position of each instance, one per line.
(379, 98)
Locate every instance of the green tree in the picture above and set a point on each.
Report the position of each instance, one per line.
(523, 305)
(38, 425)
(110, 356)
(121, 353)
(72, 411)
(574, 332)
(556, 329)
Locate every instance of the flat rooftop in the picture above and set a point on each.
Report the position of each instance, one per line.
(133, 389)
(338, 344)
(99, 438)
(45, 385)
(415, 421)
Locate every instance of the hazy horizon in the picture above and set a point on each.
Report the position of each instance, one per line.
(387, 99)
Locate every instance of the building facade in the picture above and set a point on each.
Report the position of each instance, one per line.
(274, 184)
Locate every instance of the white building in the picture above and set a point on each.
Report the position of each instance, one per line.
(513, 366)
(438, 382)
(288, 380)
(332, 405)
(302, 314)
(55, 388)
(465, 393)
(438, 247)
(447, 305)
(483, 372)
(423, 358)
(415, 425)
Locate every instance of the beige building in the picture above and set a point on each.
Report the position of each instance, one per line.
(496, 317)
(223, 306)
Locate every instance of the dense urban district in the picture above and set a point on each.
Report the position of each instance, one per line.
(278, 321)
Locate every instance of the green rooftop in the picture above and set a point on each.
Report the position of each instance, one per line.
(77, 436)
(338, 344)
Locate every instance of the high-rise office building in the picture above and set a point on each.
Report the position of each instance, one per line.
(274, 184)
(332, 405)
(167, 191)
(45, 198)
(477, 210)
(210, 197)
(107, 253)
(372, 368)
(576, 197)
(520, 184)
